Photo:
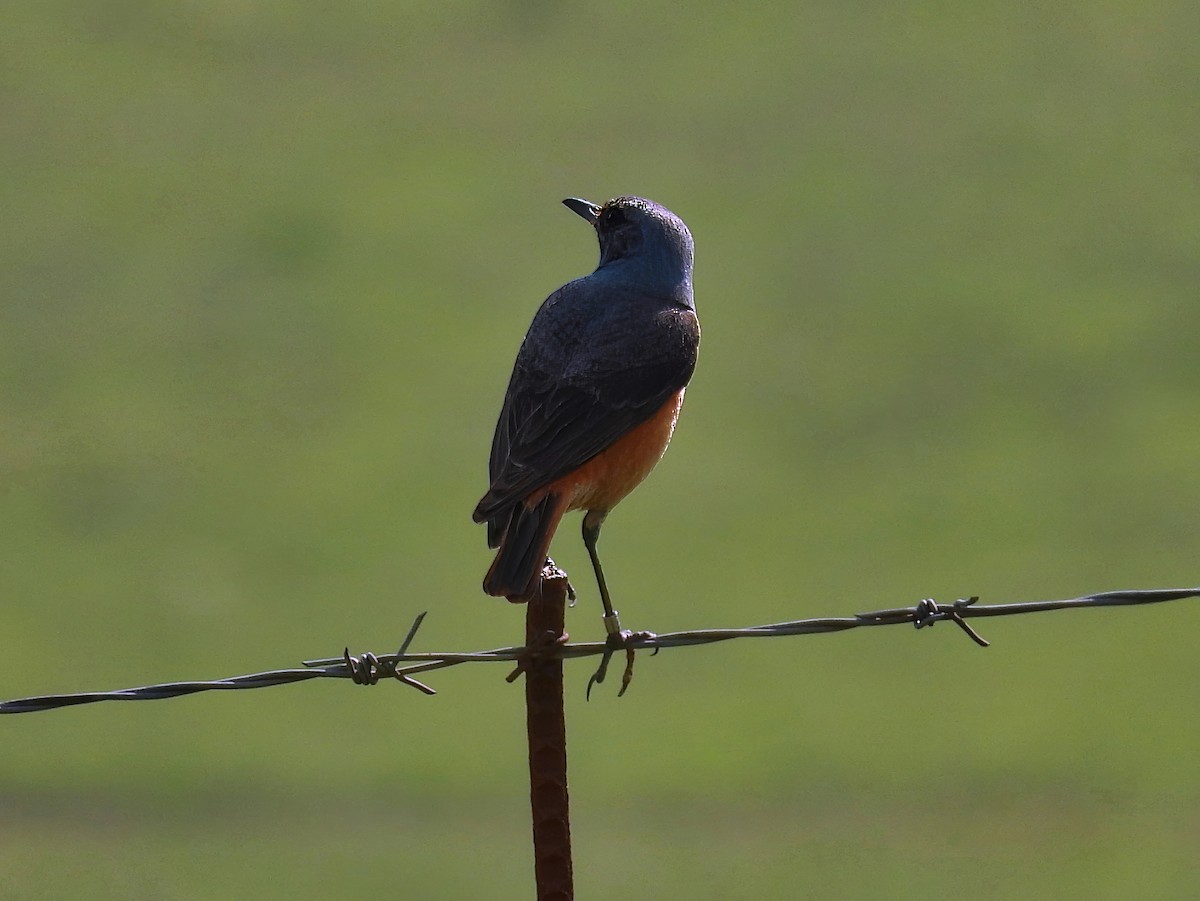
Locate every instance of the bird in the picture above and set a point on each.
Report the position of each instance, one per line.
(594, 395)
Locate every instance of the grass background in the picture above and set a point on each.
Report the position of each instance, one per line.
(263, 271)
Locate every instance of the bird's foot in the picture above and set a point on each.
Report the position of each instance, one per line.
(553, 571)
(622, 639)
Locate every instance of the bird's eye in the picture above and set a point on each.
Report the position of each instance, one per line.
(612, 217)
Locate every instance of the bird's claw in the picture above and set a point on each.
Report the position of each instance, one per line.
(553, 571)
(625, 640)
(599, 674)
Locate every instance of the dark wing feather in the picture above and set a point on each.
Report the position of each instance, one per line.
(557, 417)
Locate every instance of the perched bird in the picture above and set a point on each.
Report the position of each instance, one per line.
(594, 395)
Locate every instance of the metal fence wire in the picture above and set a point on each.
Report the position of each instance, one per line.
(404, 665)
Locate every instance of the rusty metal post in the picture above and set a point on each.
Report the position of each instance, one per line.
(546, 725)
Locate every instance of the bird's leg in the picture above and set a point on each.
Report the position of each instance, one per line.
(617, 638)
(592, 521)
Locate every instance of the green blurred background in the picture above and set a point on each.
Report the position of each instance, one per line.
(263, 271)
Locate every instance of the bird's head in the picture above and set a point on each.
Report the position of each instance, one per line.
(633, 228)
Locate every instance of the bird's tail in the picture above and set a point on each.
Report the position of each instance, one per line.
(525, 541)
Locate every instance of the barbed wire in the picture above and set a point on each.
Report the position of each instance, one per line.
(369, 668)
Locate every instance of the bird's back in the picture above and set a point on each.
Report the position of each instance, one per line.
(600, 357)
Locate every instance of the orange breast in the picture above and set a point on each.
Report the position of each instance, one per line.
(601, 482)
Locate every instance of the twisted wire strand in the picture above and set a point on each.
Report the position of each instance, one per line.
(369, 668)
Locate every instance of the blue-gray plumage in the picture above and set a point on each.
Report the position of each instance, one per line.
(594, 393)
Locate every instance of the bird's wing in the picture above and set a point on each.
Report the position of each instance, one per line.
(550, 425)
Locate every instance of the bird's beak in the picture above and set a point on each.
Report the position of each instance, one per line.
(584, 208)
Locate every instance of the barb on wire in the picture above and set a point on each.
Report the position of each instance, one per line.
(370, 668)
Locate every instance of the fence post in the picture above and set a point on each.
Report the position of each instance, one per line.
(546, 725)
